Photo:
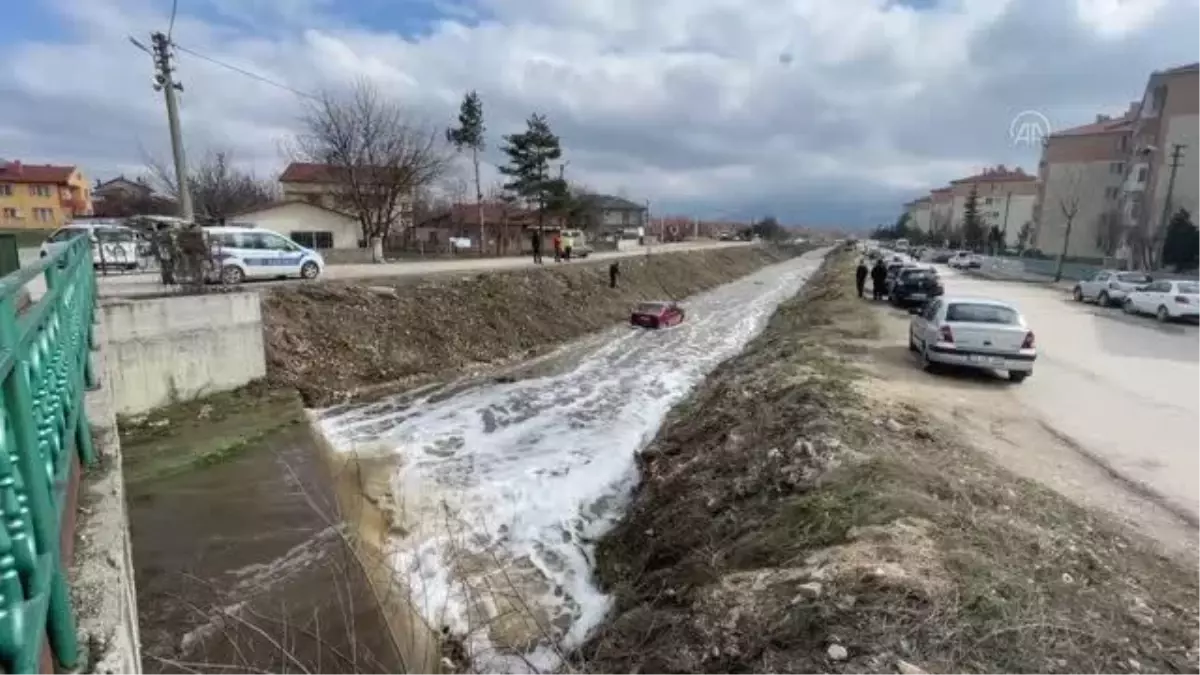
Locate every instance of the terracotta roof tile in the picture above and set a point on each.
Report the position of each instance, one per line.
(1000, 174)
(18, 172)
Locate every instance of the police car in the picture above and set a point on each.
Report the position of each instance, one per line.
(252, 253)
(113, 244)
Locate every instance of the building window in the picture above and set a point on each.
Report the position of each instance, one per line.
(10, 213)
(987, 201)
(1116, 167)
(5, 190)
(1142, 174)
(43, 215)
(39, 190)
(1123, 143)
(313, 240)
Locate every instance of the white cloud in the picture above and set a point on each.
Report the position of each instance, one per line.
(811, 109)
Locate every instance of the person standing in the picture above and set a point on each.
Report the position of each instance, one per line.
(557, 241)
(860, 276)
(568, 244)
(614, 270)
(878, 279)
(536, 242)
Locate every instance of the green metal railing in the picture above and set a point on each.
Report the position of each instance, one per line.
(44, 437)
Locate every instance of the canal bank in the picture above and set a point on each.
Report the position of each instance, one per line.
(492, 488)
(237, 509)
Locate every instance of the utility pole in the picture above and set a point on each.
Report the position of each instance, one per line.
(1176, 161)
(1004, 227)
(165, 82)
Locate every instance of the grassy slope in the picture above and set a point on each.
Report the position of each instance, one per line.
(780, 514)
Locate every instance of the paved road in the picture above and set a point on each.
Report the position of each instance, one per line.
(1123, 389)
(143, 284)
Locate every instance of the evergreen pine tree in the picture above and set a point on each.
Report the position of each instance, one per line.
(528, 170)
(469, 135)
(1181, 247)
(972, 225)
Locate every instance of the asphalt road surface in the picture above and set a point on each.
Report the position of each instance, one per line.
(1122, 389)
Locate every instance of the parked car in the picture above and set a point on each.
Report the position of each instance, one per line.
(893, 270)
(914, 286)
(1109, 287)
(656, 315)
(113, 244)
(252, 253)
(579, 243)
(975, 333)
(941, 256)
(964, 260)
(1166, 299)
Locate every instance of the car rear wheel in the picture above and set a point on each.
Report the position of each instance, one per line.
(1078, 294)
(1103, 300)
(1018, 376)
(310, 270)
(1128, 306)
(232, 275)
(927, 365)
(912, 344)
(1162, 314)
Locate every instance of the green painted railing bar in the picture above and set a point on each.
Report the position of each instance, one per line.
(45, 369)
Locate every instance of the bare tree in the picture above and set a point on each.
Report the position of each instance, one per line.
(219, 189)
(375, 153)
(1069, 199)
(1110, 233)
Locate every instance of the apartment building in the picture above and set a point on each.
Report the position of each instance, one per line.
(1164, 119)
(1005, 198)
(41, 196)
(919, 213)
(941, 209)
(1082, 170)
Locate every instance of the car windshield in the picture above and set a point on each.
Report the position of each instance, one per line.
(650, 308)
(1189, 287)
(1133, 278)
(969, 312)
(114, 235)
(67, 234)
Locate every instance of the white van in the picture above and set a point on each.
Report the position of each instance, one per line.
(579, 244)
(255, 253)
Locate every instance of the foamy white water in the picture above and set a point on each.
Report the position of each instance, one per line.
(526, 474)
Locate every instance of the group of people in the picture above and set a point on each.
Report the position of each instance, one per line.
(562, 251)
(878, 274)
(562, 247)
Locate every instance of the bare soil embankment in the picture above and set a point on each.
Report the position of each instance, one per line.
(791, 519)
(335, 340)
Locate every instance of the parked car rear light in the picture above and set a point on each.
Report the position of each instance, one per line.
(947, 334)
(1028, 343)
(1182, 299)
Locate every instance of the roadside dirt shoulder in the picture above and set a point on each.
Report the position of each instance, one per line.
(797, 515)
(334, 340)
(982, 408)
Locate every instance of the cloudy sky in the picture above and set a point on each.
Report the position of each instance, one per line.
(818, 111)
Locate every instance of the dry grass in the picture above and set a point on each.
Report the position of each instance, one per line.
(781, 514)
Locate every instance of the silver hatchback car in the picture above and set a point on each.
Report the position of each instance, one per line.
(1110, 287)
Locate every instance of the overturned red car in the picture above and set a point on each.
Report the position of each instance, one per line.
(656, 315)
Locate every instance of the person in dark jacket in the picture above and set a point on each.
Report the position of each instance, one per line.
(878, 279)
(613, 271)
(860, 276)
(536, 241)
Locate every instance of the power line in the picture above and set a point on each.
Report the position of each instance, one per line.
(243, 71)
(171, 24)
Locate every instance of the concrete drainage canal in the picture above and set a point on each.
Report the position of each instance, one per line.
(476, 502)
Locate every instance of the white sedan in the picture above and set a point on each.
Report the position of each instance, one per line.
(1166, 299)
(975, 333)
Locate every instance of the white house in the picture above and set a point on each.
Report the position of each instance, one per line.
(305, 223)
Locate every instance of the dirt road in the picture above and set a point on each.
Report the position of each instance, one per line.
(1109, 417)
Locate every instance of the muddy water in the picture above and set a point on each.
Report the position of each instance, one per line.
(499, 486)
(241, 566)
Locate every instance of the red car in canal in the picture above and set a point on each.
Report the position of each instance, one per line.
(656, 315)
